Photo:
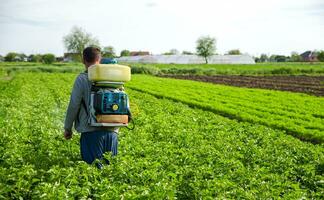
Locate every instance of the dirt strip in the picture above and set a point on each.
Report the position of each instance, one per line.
(313, 85)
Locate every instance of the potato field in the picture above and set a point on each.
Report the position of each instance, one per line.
(192, 140)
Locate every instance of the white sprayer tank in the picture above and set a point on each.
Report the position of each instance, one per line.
(109, 72)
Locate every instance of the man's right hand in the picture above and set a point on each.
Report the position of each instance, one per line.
(67, 134)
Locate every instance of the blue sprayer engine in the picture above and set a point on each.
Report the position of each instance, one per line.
(109, 104)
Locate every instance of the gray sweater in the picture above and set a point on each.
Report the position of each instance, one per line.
(76, 112)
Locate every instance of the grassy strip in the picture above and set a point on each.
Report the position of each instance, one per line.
(227, 69)
(10, 68)
(183, 69)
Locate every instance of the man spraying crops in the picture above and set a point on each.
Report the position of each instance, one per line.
(95, 141)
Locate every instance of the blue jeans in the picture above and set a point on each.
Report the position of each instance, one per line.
(94, 144)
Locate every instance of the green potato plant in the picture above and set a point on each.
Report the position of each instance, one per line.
(179, 150)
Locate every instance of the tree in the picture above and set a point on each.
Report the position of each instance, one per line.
(257, 60)
(278, 58)
(11, 57)
(124, 53)
(295, 57)
(206, 46)
(234, 52)
(35, 58)
(22, 57)
(264, 58)
(320, 56)
(174, 52)
(48, 58)
(272, 58)
(187, 53)
(78, 40)
(108, 52)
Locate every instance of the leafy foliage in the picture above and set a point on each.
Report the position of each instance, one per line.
(11, 56)
(175, 152)
(35, 58)
(172, 52)
(187, 53)
(48, 58)
(145, 70)
(206, 46)
(234, 52)
(295, 57)
(78, 39)
(320, 56)
(298, 114)
(124, 53)
(279, 58)
(108, 52)
(264, 58)
(178, 149)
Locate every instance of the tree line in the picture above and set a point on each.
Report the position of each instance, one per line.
(294, 57)
(47, 58)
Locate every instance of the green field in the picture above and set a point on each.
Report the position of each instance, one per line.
(234, 69)
(13, 67)
(299, 114)
(192, 141)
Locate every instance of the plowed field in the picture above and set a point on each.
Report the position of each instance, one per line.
(306, 84)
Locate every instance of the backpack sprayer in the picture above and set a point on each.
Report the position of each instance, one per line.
(109, 104)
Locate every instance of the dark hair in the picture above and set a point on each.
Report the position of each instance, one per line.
(91, 54)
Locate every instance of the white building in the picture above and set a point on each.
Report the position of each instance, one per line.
(188, 59)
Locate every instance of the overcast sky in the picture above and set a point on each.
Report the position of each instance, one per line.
(253, 26)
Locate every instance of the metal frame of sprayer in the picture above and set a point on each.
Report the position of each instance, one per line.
(106, 86)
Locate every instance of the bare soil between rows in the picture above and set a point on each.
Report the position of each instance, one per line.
(313, 85)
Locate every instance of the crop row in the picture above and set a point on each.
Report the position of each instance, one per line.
(298, 114)
(174, 152)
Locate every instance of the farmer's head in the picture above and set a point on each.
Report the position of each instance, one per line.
(91, 56)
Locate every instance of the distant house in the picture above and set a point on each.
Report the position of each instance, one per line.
(309, 56)
(70, 57)
(188, 59)
(139, 53)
